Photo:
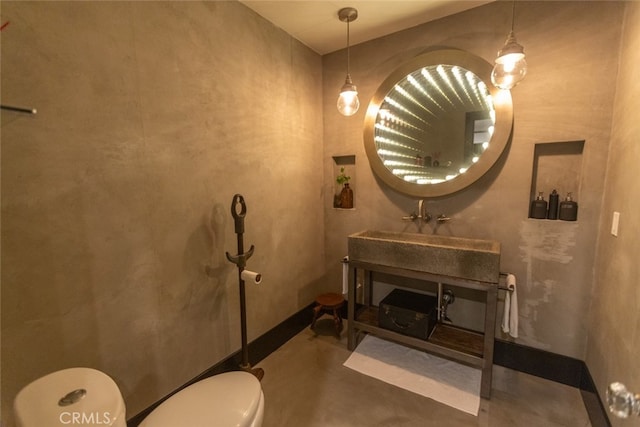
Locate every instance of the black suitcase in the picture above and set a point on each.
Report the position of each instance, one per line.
(408, 313)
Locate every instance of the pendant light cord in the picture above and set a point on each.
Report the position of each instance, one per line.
(513, 15)
(348, 54)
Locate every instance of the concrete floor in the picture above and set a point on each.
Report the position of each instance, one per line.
(305, 384)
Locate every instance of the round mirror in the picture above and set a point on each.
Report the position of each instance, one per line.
(436, 124)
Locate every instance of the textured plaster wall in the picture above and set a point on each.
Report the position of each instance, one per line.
(572, 52)
(117, 194)
(152, 115)
(614, 327)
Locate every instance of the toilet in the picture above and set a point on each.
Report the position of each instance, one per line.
(85, 396)
(229, 399)
(75, 396)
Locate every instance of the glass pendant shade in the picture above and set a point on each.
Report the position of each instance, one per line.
(348, 102)
(510, 65)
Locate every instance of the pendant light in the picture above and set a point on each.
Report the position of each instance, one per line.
(348, 102)
(510, 66)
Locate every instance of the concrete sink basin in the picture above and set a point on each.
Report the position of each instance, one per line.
(471, 259)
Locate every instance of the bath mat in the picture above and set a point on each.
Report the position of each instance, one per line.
(442, 380)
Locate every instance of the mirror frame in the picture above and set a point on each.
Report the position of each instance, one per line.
(502, 129)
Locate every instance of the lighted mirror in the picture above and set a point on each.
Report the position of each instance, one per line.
(436, 124)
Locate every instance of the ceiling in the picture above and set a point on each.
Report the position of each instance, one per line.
(315, 22)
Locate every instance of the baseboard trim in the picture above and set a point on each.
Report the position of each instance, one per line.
(597, 411)
(259, 348)
(557, 368)
(550, 366)
(543, 364)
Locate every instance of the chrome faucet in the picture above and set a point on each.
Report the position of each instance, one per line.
(443, 218)
(411, 217)
(422, 213)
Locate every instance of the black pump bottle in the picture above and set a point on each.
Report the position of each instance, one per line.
(538, 207)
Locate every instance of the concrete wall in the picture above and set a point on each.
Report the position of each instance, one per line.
(152, 115)
(614, 327)
(117, 194)
(572, 52)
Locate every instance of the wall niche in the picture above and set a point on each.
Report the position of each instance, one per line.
(557, 166)
(344, 165)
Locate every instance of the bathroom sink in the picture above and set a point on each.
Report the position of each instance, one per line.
(471, 259)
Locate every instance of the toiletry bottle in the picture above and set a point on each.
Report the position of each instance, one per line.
(552, 213)
(538, 207)
(568, 209)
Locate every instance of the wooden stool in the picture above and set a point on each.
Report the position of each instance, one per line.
(326, 302)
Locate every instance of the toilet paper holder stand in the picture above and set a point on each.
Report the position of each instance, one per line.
(240, 259)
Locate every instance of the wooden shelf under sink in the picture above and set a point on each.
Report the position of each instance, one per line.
(446, 336)
(459, 339)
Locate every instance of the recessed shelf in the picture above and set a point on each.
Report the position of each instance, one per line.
(556, 166)
(348, 162)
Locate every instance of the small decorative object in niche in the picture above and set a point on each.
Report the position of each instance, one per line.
(344, 200)
(552, 212)
(568, 209)
(344, 173)
(538, 207)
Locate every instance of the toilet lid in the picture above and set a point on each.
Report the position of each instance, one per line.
(229, 399)
(54, 399)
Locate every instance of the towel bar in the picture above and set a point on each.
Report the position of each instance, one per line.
(19, 109)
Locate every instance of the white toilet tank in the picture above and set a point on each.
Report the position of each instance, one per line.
(75, 396)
